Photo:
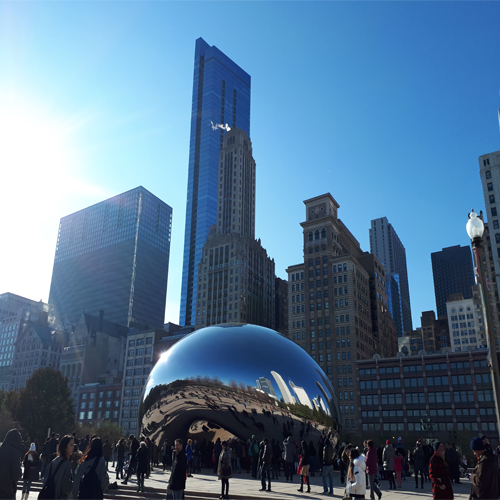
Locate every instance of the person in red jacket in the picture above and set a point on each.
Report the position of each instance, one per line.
(398, 467)
(439, 473)
(372, 470)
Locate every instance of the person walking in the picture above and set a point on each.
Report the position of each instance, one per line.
(289, 454)
(60, 468)
(177, 481)
(142, 465)
(372, 470)
(266, 464)
(75, 458)
(11, 451)
(120, 458)
(356, 475)
(398, 467)
(312, 458)
(30, 473)
(253, 453)
(327, 460)
(134, 446)
(419, 464)
(484, 480)
(439, 473)
(107, 452)
(304, 463)
(93, 459)
(165, 452)
(388, 458)
(189, 456)
(224, 469)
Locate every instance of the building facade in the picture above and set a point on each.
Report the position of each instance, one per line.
(94, 353)
(97, 402)
(386, 245)
(236, 280)
(453, 390)
(281, 306)
(114, 256)
(16, 311)
(452, 273)
(221, 96)
(329, 307)
(465, 321)
(489, 170)
(37, 346)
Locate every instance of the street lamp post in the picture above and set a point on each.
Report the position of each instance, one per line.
(475, 230)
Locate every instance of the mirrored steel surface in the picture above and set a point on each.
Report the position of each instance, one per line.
(238, 380)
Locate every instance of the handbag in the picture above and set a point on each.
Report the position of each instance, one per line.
(299, 468)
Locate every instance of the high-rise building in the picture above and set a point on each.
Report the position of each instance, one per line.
(236, 280)
(489, 168)
(386, 245)
(452, 273)
(221, 96)
(113, 256)
(330, 299)
(281, 303)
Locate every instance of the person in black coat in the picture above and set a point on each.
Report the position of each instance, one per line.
(142, 465)
(11, 452)
(134, 446)
(177, 481)
(30, 464)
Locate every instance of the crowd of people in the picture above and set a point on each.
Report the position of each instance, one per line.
(78, 468)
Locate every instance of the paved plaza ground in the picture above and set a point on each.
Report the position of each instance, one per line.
(243, 485)
(206, 485)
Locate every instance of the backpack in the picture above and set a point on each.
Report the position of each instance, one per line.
(48, 491)
(90, 485)
(328, 454)
(255, 449)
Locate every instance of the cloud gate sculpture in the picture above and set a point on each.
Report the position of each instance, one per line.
(237, 380)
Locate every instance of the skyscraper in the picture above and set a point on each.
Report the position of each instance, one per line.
(113, 257)
(452, 273)
(386, 245)
(221, 96)
(236, 276)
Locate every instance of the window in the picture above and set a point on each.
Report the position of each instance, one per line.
(487, 173)
(495, 224)
(492, 198)
(490, 186)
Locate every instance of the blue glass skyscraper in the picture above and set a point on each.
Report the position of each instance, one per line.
(221, 96)
(113, 257)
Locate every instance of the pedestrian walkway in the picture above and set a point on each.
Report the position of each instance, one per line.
(243, 486)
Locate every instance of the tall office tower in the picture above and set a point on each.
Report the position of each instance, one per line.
(452, 273)
(383, 328)
(386, 245)
(281, 306)
(330, 301)
(489, 169)
(236, 281)
(221, 96)
(113, 256)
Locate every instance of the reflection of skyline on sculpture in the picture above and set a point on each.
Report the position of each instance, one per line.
(251, 381)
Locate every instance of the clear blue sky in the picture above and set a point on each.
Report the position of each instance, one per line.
(385, 105)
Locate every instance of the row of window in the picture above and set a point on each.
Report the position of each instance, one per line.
(100, 414)
(137, 342)
(109, 394)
